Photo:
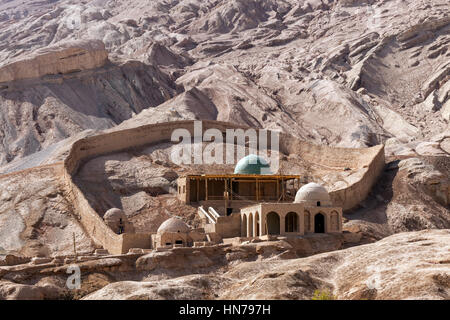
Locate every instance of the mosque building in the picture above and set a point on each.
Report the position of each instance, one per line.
(249, 204)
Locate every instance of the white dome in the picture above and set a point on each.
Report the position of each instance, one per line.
(114, 214)
(117, 221)
(173, 225)
(312, 193)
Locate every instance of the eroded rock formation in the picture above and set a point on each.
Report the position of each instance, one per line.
(67, 57)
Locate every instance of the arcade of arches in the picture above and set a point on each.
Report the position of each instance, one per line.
(289, 218)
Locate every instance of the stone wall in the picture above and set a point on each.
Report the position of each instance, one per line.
(94, 225)
(371, 159)
(350, 197)
(227, 226)
(129, 138)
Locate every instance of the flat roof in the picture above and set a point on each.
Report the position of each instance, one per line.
(259, 176)
(280, 203)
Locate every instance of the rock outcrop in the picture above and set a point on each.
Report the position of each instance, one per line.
(38, 113)
(14, 291)
(404, 266)
(66, 57)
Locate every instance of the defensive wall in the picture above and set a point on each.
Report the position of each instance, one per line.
(370, 163)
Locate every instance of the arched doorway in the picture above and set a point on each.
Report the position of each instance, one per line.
(291, 222)
(250, 225)
(273, 223)
(244, 226)
(257, 234)
(319, 223)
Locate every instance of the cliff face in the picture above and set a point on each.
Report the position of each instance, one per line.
(68, 96)
(67, 57)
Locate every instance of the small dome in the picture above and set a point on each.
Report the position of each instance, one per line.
(114, 214)
(173, 225)
(252, 164)
(117, 221)
(313, 193)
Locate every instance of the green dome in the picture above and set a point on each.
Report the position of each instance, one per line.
(252, 164)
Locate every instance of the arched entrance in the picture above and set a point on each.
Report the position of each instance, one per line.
(291, 222)
(250, 225)
(244, 226)
(319, 223)
(273, 223)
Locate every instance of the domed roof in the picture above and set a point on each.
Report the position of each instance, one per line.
(114, 214)
(252, 164)
(312, 192)
(173, 225)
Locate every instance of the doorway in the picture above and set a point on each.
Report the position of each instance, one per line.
(273, 223)
(319, 223)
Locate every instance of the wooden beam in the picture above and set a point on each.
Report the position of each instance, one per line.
(261, 181)
(253, 176)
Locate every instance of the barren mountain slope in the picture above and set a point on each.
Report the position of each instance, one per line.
(36, 113)
(36, 216)
(346, 73)
(408, 197)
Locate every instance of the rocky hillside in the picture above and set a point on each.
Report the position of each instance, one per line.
(345, 73)
(36, 216)
(341, 73)
(411, 265)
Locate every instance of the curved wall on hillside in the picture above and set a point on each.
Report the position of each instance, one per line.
(371, 160)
